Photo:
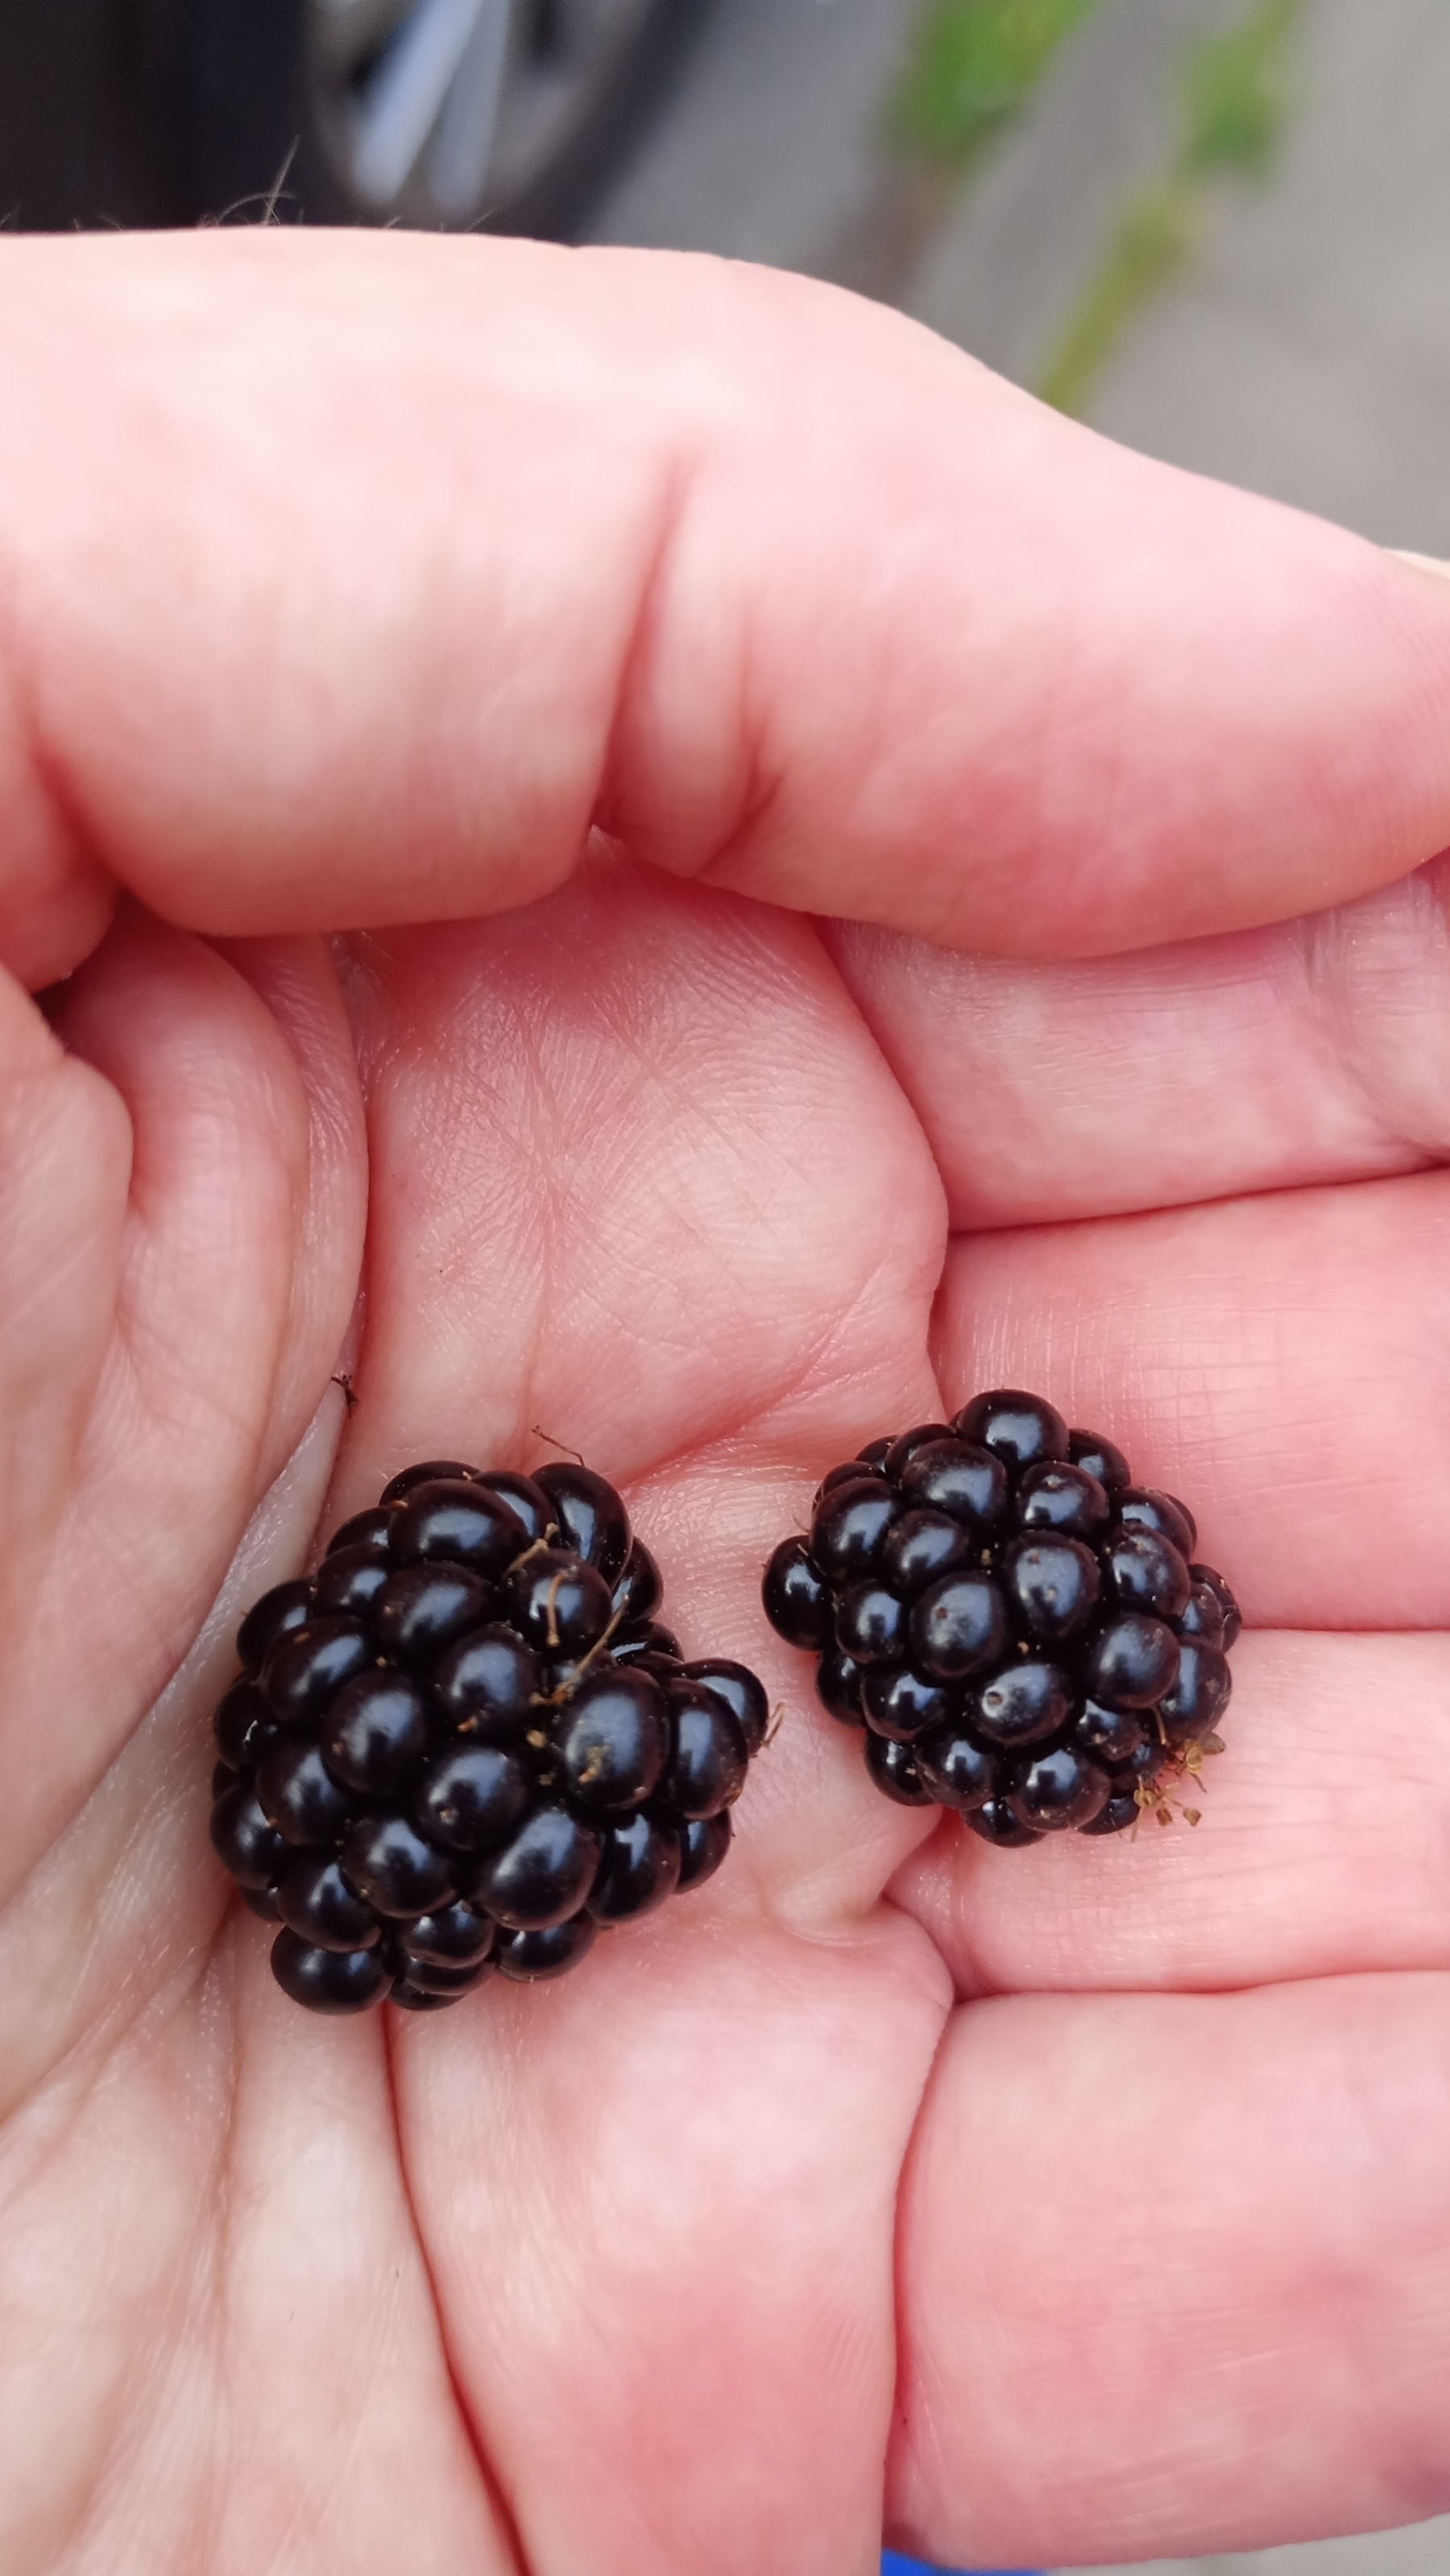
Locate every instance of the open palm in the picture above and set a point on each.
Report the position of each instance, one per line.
(1086, 2201)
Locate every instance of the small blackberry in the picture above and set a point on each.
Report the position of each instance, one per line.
(466, 1742)
(1019, 1630)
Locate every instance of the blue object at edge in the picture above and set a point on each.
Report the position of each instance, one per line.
(892, 2565)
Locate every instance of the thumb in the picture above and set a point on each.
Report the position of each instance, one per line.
(347, 581)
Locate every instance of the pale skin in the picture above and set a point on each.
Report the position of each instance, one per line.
(1090, 2202)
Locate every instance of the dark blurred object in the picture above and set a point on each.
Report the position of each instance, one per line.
(434, 113)
(91, 122)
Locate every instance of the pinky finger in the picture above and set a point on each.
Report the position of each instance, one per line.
(1172, 2274)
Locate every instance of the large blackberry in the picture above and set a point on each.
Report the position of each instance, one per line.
(466, 1741)
(1014, 1623)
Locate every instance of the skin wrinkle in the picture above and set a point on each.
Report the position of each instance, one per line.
(500, 2508)
(74, 1257)
(223, 1139)
(302, 994)
(308, 2510)
(215, 2005)
(83, 2102)
(92, 2043)
(1326, 943)
(146, 2392)
(676, 481)
(99, 1922)
(816, 1364)
(389, 2318)
(899, 2416)
(66, 917)
(1127, 1048)
(424, 1040)
(315, 2507)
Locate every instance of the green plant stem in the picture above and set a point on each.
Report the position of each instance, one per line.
(973, 65)
(1151, 242)
(1234, 103)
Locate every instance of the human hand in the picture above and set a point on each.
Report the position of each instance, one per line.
(1090, 2201)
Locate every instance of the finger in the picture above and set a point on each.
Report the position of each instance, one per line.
(198, 1357)
(1141, 2236)
(676, 2175)
(220, 2346)
(1314, 1051)
(125, 1906)
(1321, 1850)
(1280, 1361)
(768, 581)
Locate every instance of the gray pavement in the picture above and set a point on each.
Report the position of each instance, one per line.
(1423, 2551)
(1307, 352)
(768, 148)
(1309, 356)
(1013, 256)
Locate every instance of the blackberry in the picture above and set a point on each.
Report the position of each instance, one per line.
(526, 1956)
(894, 1769)
(375, 1730)
(589, 1516)
(905, 1704)
(298, 1794)
(638, 1592)
(638, 1868)
(244, 1725)
(558, 1602)
(710, 1752)
(1018, 1630)
(467, 1742)
(613, 1741)
(315, 1901)
(328, 1981)
(703, 1846)
(541, 1875)
(470, 1796)
(350, 1579)
(244, 1837)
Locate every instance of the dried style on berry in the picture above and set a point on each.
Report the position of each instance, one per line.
(1018, 1628)
(466, 1742)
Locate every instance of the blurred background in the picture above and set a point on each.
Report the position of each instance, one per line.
(1217, 229)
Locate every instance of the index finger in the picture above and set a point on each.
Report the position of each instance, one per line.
(351, 581)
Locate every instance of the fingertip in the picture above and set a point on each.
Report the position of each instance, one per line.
(55, 909)
(1427, 563)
